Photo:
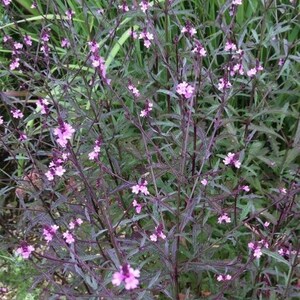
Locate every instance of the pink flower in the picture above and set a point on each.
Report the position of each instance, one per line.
(246, 188)
(6, 2)
(124, 7)
(141, 187)
(68, 237)
(231, 159)
(224, 218)
(128, 276)
(15, 64)
(185, 89)
(134, 90)
(147, 37)
(22, 137)
(94, 47)
(70, 13)
(49, 232)
(256, 249)
(189, 30)
(158, 233)
(17, 114)
(266, 224)
(95, 153)
(64, 133)
(25, 250)
(224, 277)
(230, 46)
(138, 206)
(75, 223)
(145, 112)
(223, 84)
(145, 5)
(237, 2)
(204, 182)
(42, 106)
(283, 191)
(1, 120)
(199, 49)
(65, 43)
(27, 40)
(18, 46)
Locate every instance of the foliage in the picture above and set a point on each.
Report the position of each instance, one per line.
(179, 150)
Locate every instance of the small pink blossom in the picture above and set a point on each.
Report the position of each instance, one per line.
(185, 89)
(95, 153)
(64, 133)
(124, 7)
(224, 277)
(65, 43)
(68, 237)
(188, 29)
(266, 224)
(199, 49)
(246, 188)
(42, 106)
(18, 46)
(22, 137)
(49, 232)
(158, 234)
(15, 64)
(27, 40)
(1, 120)
(140, 187)
(204, 182)
(223, 84)
(283, 191)
(147, 37)
(70, 14)
(237, 2)
(256, 249)
(134, 34)
(128, 276)
(25, 250)
(17, 114)
(224, 219)
(6, 2)
(231, 159)
(229, 46)
(75, 223)
(94, 47)
(134, 90)
(138, 206)
(145, 5)
(145, 112)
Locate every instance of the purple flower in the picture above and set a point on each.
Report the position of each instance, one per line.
(17, 114)
(25, 250)
(64, 133)
(185, 89)
(49, 232)
(224, 219)
(68, 237)
(231, 159)
(128, 276)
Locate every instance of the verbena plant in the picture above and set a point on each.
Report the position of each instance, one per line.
(150, 150)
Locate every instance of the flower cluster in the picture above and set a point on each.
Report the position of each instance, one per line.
(204, 182)
(252, 72)
(188, 29)
(232, 159)
(128, 276)
(49, 232)
(68, 237)
(185, 89)
(199, 49)
(6, 2)
(65, 43)
(124, 7)
(256, 247)
(42, 106)
(158, 234)
(224, 277)
(64, 133)
(56, 168)
(224, 84)
(141, 188)
(70, 14)
(17, 114)
(134, 90)
(229, 46)
(45, 37)
(76, 223)
(147, 37)
(138, 206)
(27, 40)
(25, 250)
(95, 153)
(145, 5)
(1, 120)
(224, 219)
(97, 61)
(148, 107)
